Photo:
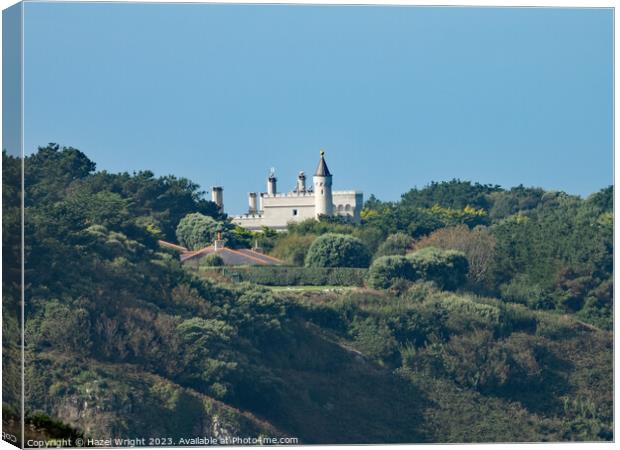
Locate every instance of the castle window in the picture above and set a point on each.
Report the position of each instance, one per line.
(294, 212)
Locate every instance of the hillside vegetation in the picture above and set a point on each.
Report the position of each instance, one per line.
(121, 340)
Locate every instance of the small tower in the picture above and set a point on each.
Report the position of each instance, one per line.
(322, 189)
(271, 182)
(252, 202)
(217, 197)
(301, 182)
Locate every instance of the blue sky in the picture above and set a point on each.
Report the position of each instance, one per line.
(397, 96)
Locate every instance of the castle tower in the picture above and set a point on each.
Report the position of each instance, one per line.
(271, 183)
(217, 196)
(322, 180)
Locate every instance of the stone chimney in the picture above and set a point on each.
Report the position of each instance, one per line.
(219, 241)
(301, 182)
(217, 197)
(271, 183)
(252, 202)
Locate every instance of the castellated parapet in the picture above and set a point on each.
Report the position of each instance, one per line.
(277, 209)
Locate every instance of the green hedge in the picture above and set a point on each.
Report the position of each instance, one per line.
(293, 276)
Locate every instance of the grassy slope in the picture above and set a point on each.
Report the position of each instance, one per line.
(557, 413)
(335, 395)
(331, 392)
(372, 401)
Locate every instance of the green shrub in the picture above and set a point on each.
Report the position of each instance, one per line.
(61, 327)
(53, 428)
(385, 271)
(319, 227)
(257, 313)
(420, 291)
(324, 315)
(555, 326)
(522, 290)
(337, 250)
(477, 361)
(517, 318)
(204, 356)
(373, 338)
(371, 236)
(293, 248)
(196, 231)
(447, 268)
(598, 306)
(211, 260)
(464, 315)
(395, 244)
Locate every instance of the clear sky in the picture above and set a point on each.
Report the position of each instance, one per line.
(397, 96)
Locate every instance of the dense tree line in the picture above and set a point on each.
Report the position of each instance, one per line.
(547, 250)
(99, 286)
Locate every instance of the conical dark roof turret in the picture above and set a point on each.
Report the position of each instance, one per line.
(322, 170)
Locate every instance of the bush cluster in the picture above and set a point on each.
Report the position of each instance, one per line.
(196, 231)
(293, 248)
(395, 244)
(337, 250)
(211, 260)
(385, 271)
(446, 268)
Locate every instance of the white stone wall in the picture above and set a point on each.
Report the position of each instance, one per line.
(249, 221)
(280, 209)
(348, 203)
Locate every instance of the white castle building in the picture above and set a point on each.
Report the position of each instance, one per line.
(276, 210)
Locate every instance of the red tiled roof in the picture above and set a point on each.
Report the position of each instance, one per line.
(197, 253)
(172, 246)
(233, 257)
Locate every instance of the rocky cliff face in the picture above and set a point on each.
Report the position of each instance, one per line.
(107, 402)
